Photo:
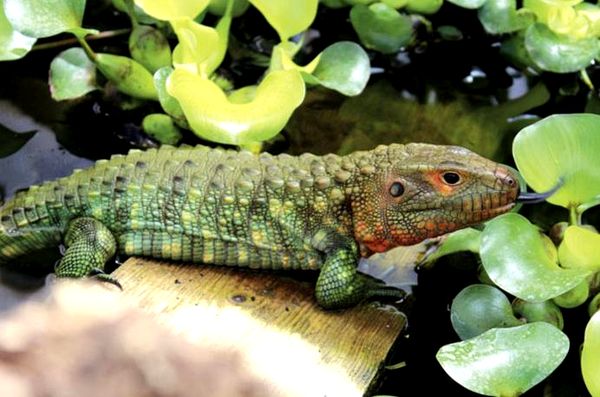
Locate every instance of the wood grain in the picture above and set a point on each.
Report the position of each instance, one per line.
(277, 315)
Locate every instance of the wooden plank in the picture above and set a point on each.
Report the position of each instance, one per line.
(307, 350)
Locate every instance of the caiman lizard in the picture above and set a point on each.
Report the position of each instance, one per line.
(224, 207)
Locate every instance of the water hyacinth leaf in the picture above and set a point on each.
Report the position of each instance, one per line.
(344, 67)
(559, 16)
(160, 127)
(381, 28)
(580, 247)
(167, 101)
(13, 44)
(473, 4)
(218, 7)
(169, 10)
(127, 75)
(590, 355)
(574, 297)
(467, 239)
(561, 147)
(214, 117)
(397, 4)
(424, 6)
(197, 48)
(525, 267)
(559, 53)
(286, 23)
(501, 16)
(594, 305)
(72, 75)
(539, 311)
(478, 308)
(43, 18)
(505, 361)
(149, 47)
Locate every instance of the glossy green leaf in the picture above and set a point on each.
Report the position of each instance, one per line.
(72, 74)
(128, 76)
(526, 266)
(43, 18)
(13, 141)
(169, 10)
(539, 311)
(149, 47)
(562, 147)
(167, 101)
(343, 67)
(473, 4)
(286, 22)
(478, 308)
(574, 297)
(590, 355)
(467, 239)
(160, 127)
(559, 53)
(501, 16)
(424, 6)
(580, 247)
(214, 117)
(381, 28)
(13, 44)
(505, 361)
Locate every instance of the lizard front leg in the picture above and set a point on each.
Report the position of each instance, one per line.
(89, 245)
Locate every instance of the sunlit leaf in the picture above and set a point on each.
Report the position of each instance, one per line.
(580, 247)
(13, 44)
(424, 6)
(167, 101)
(559, 53)
(169, 10)
(468, 3)
(286, 22)
(43, 18)
(478, 308)
(381, 27)
(501, 16)
(128, 76)
(539, 311)
(344, 67)
(149, 47)
(562, 147)
(505, 361)
(212, 116)
(590, 355)
(525, 266)
(72, 74)
(160, 127)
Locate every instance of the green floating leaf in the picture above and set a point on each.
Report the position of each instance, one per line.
(559, 53)
(580, 248)
(381, 28)
(13, 141)
(72, 74)
(214, 117)
(168, 102)
(467, 239)
(526, 266)
(169, 10)
(590, 355)
(473, 4)
(286, 23)
(562, 147)
(13, 44)
(574, 297)
(501, 16)
(129, 77)
(506, 361)
(539, 311)
(149, 47)
(424, 6)
(343, 67)
(43, 18)
(478, 308)
(160, 127)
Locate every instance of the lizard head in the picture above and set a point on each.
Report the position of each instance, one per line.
(421, 191)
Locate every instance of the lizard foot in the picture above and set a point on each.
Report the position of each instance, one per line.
(100, 275)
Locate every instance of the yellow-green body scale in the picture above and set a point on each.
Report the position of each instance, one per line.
(211, 206)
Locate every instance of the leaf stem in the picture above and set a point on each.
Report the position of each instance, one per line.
(88, 50)
(574, 216)
(73, 40)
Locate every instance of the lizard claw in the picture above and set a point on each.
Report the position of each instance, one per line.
(99, 274)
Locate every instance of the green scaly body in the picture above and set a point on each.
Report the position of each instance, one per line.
(273, 212)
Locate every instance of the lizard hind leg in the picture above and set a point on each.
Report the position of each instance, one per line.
(89, 245)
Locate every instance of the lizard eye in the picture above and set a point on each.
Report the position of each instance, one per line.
(451, 178)
(396, 189)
